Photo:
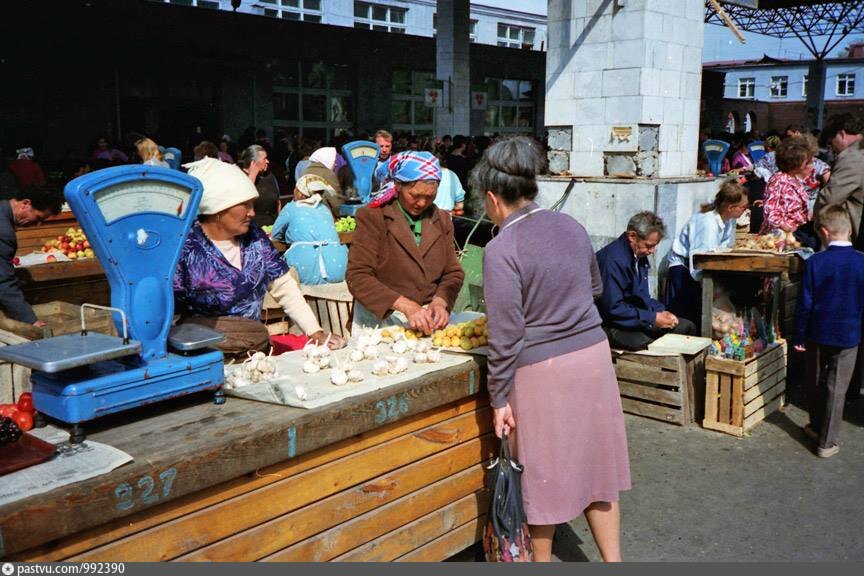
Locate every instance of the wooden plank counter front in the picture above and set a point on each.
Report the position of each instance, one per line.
(395, 474)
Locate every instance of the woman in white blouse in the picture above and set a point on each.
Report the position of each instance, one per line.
(713, 227)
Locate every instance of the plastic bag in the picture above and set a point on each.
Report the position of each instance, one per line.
(506, 538)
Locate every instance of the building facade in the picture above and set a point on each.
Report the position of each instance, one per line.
(182, 73)
(770, 94)
(489, 25)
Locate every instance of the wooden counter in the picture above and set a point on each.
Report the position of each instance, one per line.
(391, 475)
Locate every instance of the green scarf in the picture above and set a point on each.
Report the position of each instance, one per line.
(415, 225)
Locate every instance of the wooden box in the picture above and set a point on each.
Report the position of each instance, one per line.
(668, 388)
(14, 378)
(61, 318)
(741, 393)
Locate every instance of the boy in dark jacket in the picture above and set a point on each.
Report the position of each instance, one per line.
(828, 326)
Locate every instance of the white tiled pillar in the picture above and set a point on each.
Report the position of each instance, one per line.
(453, 67)
(623, 82)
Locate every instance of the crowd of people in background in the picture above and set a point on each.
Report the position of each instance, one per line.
(275, 165)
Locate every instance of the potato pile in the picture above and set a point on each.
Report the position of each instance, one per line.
(467, 335)
(772, 242)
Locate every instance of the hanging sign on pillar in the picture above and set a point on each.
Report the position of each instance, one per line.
(433, 95)
(478, 97)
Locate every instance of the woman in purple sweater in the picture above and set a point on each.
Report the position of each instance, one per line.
(550, 374)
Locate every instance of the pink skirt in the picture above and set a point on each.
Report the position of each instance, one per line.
(569, 434)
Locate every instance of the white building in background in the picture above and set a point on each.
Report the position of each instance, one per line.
(489, 24)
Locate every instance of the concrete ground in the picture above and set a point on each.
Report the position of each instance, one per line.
(700, 495)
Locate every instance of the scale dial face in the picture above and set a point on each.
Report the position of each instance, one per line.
(361, 151)
(128, 198)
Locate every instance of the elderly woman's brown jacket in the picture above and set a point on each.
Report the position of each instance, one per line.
(384, 261)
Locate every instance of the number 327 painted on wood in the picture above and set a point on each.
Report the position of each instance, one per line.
(125, 493)
(391, 408)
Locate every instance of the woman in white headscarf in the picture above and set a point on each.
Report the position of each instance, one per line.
(228, 264)
(307, 225)
(322, 163)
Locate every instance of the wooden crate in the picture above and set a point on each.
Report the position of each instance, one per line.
(740, 394)
(62, 318)
(668, 388)
(14, 379)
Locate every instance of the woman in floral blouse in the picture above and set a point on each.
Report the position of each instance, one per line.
(786, 198)
(228, 264)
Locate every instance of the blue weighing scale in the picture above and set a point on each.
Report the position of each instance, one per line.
(361, 156)
(136, 219)
(715, 151)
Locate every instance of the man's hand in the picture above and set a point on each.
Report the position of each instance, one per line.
(665, 320)
(502, 420)
(39, 324)
(438, 313)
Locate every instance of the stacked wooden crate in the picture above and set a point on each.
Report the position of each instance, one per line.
(741, 393)
(669, 388)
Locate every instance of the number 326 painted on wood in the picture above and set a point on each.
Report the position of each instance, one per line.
(391, 408)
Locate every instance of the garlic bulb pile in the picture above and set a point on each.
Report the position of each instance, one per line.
(255, 368)
(370, 352)
(381, 368)
(427, 356)
(338, 377)
(401, 365)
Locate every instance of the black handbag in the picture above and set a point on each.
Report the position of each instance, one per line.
(506, 538)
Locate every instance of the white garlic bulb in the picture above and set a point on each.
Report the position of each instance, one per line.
(338, 377)
(375, 338)
(433, 355)
(324, 361)
(401, 365)
(363, 341)
(311, 350)
(356, 355)
(422, 346)
(400, 347)
(355, 376)
(370, 352)
(311, 367)
(412, 344)
(300, 392)
(420, 358)
(381, 368)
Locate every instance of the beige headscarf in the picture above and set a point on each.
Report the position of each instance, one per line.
(225, 185)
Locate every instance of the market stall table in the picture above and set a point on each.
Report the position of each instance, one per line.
(394, 474)
(741, 393)
(714, 263)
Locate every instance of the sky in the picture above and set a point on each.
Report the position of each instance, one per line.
(720, 43)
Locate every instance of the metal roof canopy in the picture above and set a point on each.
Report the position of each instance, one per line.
(806, 20)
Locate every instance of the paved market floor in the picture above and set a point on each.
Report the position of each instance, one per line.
(705, 496)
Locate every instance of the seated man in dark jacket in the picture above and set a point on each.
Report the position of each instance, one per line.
(631, 318)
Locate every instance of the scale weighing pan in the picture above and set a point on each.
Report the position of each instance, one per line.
(69, 351)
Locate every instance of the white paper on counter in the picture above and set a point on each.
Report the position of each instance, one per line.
(71, 463)
(319, 391)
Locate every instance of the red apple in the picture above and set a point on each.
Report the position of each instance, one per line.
(16, 261)
(86, 244)
(51, 258)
